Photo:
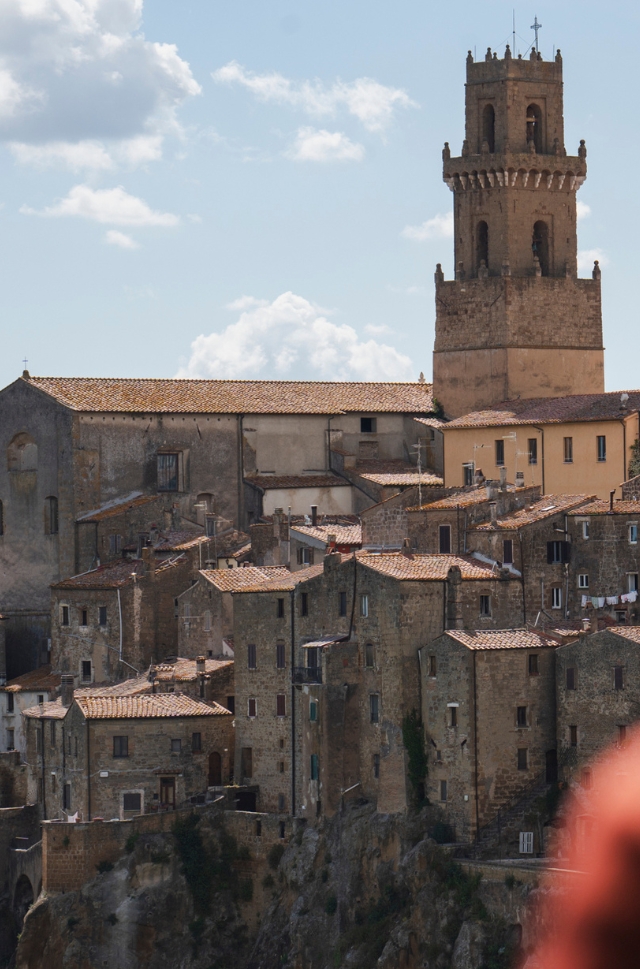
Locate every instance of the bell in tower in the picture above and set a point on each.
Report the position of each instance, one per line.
(516, 321)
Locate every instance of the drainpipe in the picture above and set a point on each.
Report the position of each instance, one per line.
(624, 449)
(541, 429)
(475, 743)
(89, 774)
(44, 776)
(293, 703)
(241, 522)
(120, 618)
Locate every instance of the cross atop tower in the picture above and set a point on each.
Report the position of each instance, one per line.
(536, 27)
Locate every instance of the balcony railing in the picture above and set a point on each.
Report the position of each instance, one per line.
(307, 674)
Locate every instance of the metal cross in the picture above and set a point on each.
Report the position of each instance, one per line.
(25, 362)
(536, 26)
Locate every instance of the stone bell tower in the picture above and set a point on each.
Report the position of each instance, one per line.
(516, 321)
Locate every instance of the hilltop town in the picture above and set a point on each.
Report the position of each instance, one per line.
(281, 601)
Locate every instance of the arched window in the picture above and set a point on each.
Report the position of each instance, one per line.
(22, 453)
(534, 127)
(482, 245)
(489, 126)
(540, 245)
(51, 515)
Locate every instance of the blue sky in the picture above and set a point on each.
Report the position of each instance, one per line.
(220, 189)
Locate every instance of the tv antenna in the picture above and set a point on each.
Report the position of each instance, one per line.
(535, 26)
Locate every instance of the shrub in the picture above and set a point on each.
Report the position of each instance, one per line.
(245, 889)
(275, 856)
(413, 740)
(268, 881)
(331, 905)
(104, 866)
(130, 843)
(196, 867)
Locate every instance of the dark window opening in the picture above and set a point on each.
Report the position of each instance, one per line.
(176, 746)
(120, 746)
(252, 656)
(280, 658)
(342, 607)
(523, 759)
(280, 609)
(367, 425)
(65, 616)
(618, 678)
(521, 716)
(196, 743)
(482, 246)
(507, 551)
(444, 539)
(52, 732)
(376, 766)
(468, 474)
(84, 620)
(443, 790)
(251, 707)
(132, 802)
(489, 126)
(102, 615)
(500, 453)
(432, 665)
(281, 705)
(374, 708)
(369, 655)
(86, 670)
(453, 715)
(558, 553)
(571, 678)
(10, 702)
(315, 767)
(167, 472)
(485, 605)
(540, 246)
(231, 704)
(573, 736)
(304, 604)
(568, 450)
(51, 516)
(602, 447)
(66, 797)
(533, 664)
(533, 450)
(534, 127)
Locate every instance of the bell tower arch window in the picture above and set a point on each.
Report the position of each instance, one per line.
(534, 127)
(540, 245)
(489, 126)
(482, 245)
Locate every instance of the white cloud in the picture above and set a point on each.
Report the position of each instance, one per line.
(587, 257)
(582, 210)
(377, 330)
(312, 144)
(439, 227)
(115, 238)
(80, 74)
(368, 100)
(290, 337)
(112, 206)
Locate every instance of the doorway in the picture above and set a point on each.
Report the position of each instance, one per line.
(215, 769)
(168, 793)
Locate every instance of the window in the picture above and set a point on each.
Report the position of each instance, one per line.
(540, 246)
(571, 678)
(489, 127)
(252, 658)
(52, 732)
(521, 716)
(280, 654)
(304, 604)
(207, 621)
(231, 704)
(314, 767)
(622, 735)
(11, 738)
(556, 597)
(168, 472)
(196, 743)
(281, 705)
(176, 746)
(500, 453)
(573, 736)
(523, 758)
(617, 678)
(251, 707)
(444, 539)
(534, 129)
(64, 620)
(468, 473)
(443, 790)
(583, 580)
(115, 544)
(66, 797)
(40, 697)
(368, 425)
(432, 666)
(601, 447)
(533, 664)
(364, 606)
(369, 655)
(313, 711)
(120, 746)
(282, 803)
(453, 716)
(507, 551)
(633, 534)
(51, 516)
(376, 766)
(282, 767)
(312, 658)
(532, 448)
(132, 802)
(102, 615)
(10, 702)
(342, 606)
(586, 779)
(86, 670)
(84, 617)
(568, 450)
(374, 708)
(485, 605)
(22, 453)
(482, 244)
(632, 581)
(585, 530)
(558, 553)
(280, 609)
(305, 555)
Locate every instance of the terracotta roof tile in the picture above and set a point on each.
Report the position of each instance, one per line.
(101, 394)
(117, 506)
(550, 410)
(462, 499)
(147, 705)
(424, 567)
(345, 534)
(40, 679)
(234, 580)
(546, 507)
(398, 473)
(271, 481)
(501, 638)
(52, 710)
(113, 575)
(601, 507)
(285, 582)
(627, 632)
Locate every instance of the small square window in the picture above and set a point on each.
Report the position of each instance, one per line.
(500, 453)
(633, 534)
(86, 671)
(443, 790)
(64, 619)
(364, 606)
(313, 711)
(573, 736)
(523, 758)
(176, 746)
(571, 677)
(485, 605)
(342, 604)
(252, 656)
(281, 705)
(120, 746)
(601, 447)
(367, 425)
(374, 708)
(432, 666)
(251, 707)
(533, 664)
(196, 743)
(369, 655)
(376, 766)
(102, 615)
(583, 580)
(280, 609)
(132, 802)
(521, 716)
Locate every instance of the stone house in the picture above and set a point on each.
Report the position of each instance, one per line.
(116, 619)
(73, 445)
(205, 609)
(598, 696)
(385, 525)
(18, 695)
(118, 756)
(310, 542)
(488, 706)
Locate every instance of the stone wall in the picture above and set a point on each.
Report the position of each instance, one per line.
(13, 779)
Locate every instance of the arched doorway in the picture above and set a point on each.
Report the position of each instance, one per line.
(215, 769)
(22, 900)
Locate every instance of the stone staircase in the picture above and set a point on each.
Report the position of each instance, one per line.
(500, 838)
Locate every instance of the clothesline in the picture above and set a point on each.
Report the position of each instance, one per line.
(598, 602)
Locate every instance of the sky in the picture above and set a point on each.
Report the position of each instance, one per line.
(253, 189)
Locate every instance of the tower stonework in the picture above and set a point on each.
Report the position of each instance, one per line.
(516, 321)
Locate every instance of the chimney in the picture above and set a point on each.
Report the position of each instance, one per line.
(314, 515)
(331, 539)
(611, 494)
(503, 479)
(199, 664)
(66, 690)
(493, 510)
(586, 625)
(406, 548)
(149, 559)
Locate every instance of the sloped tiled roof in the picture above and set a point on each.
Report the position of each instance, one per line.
(113, 575)
(184, 670)
(601, 507)
(546, 507)
(395, 473)
(628, 632)
(233, 580)
(52, 710)
(421, 567)
(283, 583)
(146, 705)
(102, 394)
(345, 534)
(550, 410)
(270, 481)
(501, 638)
(462, 499)
(41, 679)
(117, 506)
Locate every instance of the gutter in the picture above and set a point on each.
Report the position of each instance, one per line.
(541, 429)
(241, 522)
(293, 703)
(475, 743)
(88, 774)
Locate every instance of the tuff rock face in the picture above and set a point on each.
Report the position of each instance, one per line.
(362, 890)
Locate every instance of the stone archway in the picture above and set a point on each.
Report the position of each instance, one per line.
(23, 899)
